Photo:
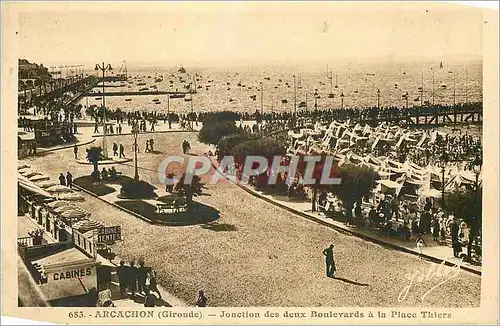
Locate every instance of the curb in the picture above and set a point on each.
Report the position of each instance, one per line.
(352, 232)
(126, 160)
(113, 204)
(65, 147)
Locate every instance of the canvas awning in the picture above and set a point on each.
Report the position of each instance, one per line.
(24, 183)
(63, 289)
(388, 183)
(431, 193)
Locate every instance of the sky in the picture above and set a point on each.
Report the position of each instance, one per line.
(231, 34)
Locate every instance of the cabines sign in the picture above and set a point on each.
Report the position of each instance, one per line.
(109, 234)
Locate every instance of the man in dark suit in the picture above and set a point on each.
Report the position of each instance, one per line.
(122, 276)
(330, 262)
(132, 274)
(141, 278)
(122, 151)
(457, 248)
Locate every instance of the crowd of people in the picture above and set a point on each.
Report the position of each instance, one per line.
(139, 279)
(406, 222)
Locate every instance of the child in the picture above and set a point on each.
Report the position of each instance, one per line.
(443, 231)
(420, 246)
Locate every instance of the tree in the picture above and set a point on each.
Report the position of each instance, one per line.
(212, 117)
(467, 204)
(227, 143)
(265, 147)
(213, 131)
(188, 191)
(357, 182)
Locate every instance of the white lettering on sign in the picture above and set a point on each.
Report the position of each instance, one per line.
(72, 274)
(110, 230)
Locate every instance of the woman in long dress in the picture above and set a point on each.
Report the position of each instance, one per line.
(153, 286)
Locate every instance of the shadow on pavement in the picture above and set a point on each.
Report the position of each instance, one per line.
(349, 281)
(219, 227)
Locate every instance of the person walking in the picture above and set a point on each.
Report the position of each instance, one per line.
(201, 301)
(132, 278)
(151, 143)
(122, 151)
(75, 152)
(62, 179)
(457, 248)
(435, 229)
(153, 286)
(69, 179)
(147, 146)
(330, 262)
(115, 149)
(142, 275)
(122, 276)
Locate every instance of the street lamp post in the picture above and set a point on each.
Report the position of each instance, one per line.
(294, 96)
(316, 99)
(342, 100)
(168, 111)
(192, 113)
(103, 68)
(406, 96)
(443, 162)
(454, 89)
(422, 89)
(476, 166)
(135, 132)
(466, 84)
(261, 99)
(432, 87)
(378, 98)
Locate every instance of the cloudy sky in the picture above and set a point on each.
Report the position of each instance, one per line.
(245, 33)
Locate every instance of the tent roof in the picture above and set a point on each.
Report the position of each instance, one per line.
(388, 183)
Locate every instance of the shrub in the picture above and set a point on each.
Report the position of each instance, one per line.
(266, 147)
(212, 132)
(137, 189)
(227, 143)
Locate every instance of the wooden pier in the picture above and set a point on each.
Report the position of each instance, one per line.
(440, 117)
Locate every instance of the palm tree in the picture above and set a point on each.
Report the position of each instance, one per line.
(189, 190)
(94, 154)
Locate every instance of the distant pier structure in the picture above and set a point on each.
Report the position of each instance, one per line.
(432, 116)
